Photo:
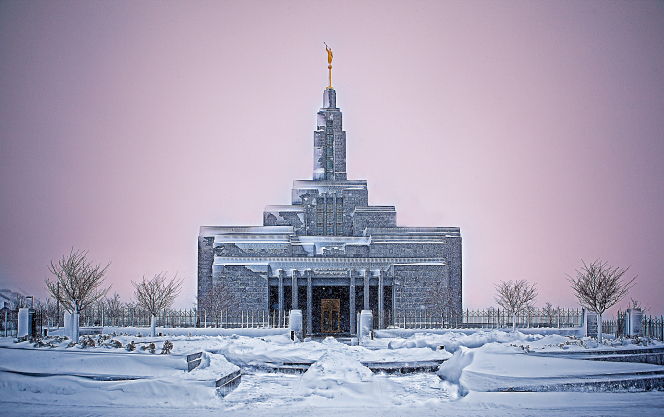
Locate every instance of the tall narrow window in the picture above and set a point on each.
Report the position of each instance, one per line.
(329, 151)
(320, 216)
(340, 216)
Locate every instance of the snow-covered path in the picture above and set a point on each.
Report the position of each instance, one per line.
(473, 404)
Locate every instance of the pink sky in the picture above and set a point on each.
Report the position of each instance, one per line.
(536, 127)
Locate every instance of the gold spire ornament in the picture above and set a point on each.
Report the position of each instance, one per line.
(329, 63)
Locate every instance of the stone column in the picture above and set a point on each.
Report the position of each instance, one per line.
(380, 299)
(352, 302)
(281, 289)
(367, 275)
(309, 302)
(294, 293)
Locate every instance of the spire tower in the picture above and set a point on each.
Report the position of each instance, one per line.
(329, 141)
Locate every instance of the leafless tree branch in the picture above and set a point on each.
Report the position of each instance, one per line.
(80, 281)
(155, 294)
(599, 286)
(218, 298)
(515, 297)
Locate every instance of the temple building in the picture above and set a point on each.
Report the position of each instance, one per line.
(329, 253)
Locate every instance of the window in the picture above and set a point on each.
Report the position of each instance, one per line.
(328, 222)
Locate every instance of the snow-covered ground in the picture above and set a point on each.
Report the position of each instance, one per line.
(60, 379)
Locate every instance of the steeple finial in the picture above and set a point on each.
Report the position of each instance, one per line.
(329, 63)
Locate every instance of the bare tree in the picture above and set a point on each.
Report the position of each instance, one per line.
(550, 312)
(218, 298)
(78, 283)
(18, 301)
(515, 297)
(635, 304)
(113, 307)
(598, 287)
(155, 295)
(48, 309)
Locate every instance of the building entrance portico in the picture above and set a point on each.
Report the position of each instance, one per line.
(311, 289)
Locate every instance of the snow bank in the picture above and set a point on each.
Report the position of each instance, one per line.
(405, 333)
(213, 366)
(185, 331)
(90, 362)
(451, 370)
(340, 377)
(453, 340)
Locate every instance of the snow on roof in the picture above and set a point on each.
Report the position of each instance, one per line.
(238, 230)
(273, 208)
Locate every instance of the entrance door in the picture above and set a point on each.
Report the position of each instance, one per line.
(329, 315)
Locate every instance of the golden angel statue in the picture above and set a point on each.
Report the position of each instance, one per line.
(329, 54)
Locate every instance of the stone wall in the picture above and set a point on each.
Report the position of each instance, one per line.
(452, 253)
(368, 216)
(205, 260)
(412, 283)
(251, 288)
(406, 250)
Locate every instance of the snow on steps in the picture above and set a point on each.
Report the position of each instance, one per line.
(627, 382)
(227, 382)
(495, 369)
(408, 367)
(651, 355)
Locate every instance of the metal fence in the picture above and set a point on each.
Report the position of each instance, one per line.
(136, 317)
(9, 322)
(99, 316)
(615, 326)
(477, 319)
(652, 327)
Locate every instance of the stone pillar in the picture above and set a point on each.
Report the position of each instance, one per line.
(295, 325)
(380, 299)
(367, 275)
(24, 327)
(310, 301)
(351, 297)
(281, 289)
(294, 293)
(366, 323)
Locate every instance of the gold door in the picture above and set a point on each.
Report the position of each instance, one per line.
(329, 315)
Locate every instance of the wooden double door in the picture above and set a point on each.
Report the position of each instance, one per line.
(330, 313)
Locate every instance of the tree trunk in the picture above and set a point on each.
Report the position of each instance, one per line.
(514, 322)
(599, 328)
(153, 326)
(74, 327)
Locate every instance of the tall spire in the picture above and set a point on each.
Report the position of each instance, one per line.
(329, 137)
(329, 141)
